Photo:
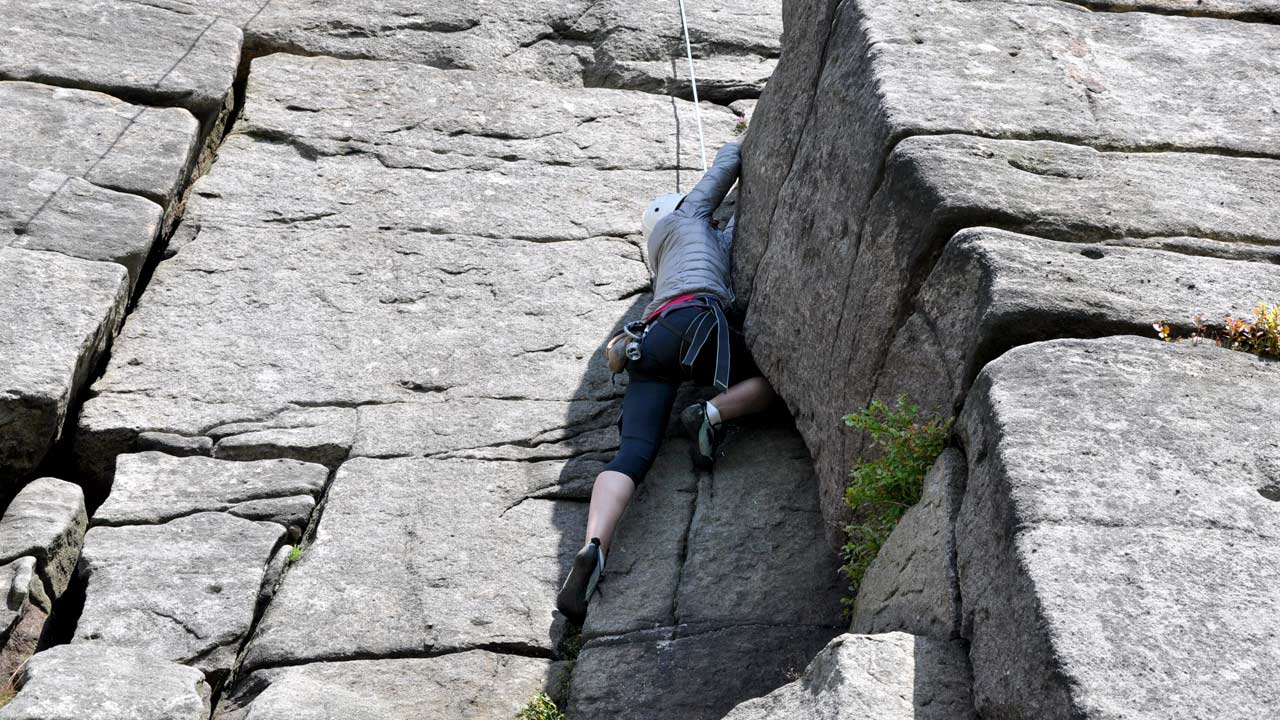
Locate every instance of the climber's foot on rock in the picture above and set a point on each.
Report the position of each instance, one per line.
(581, 583)
(705, 437)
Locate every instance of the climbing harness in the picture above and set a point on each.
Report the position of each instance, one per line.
(697, 112)
(711, 319)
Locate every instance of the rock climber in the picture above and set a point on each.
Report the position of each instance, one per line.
(685, 334)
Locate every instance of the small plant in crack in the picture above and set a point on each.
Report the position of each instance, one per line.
(881, 490)
(740, 127)
(1260, 336)
(541, 707)
(295, 554)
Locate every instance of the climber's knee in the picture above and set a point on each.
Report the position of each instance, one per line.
(634, 458)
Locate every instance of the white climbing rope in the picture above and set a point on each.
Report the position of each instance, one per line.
(697, 112)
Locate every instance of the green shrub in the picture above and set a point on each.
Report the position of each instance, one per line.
(295, 554)
(540, 708)
(881, 490)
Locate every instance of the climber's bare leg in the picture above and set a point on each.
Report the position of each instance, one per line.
(609, 497)
(752, 395)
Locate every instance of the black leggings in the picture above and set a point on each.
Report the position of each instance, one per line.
(652, 384)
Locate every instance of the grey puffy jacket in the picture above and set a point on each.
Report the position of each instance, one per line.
(686, 252)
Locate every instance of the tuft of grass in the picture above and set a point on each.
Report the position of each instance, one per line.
(1261, 336)
(882, 490)
(295, 554)
(740, 127)
(540, 707)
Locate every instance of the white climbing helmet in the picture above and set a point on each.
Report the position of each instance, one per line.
(659, 208)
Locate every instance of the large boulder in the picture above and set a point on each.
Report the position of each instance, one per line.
(184, 591)
(99, 682)
(417, 555)
(91, 135)
(46, 521)
(1117, 538)
(150, 53)
(154, 487)
(842, 217)
(894, 676)
(47, 211)
(62, 312)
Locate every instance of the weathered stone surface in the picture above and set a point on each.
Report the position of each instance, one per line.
(993, 290)
(474, 685)
(892, 677)
(421, 555)
(395, 267)
(157, 55)
(1117, 538)
(62, 312)
(661, 673)
(99, 682)
(912, 586)
(641, 46)
(316, 435)
(273, 574)
(416, 117)
(756, 550)
(98, 138)
(638, 46)
(46, 521)
(42, 210)
(182, 591)
(154, 487)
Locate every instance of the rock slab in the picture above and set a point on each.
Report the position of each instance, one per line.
(1117, 537)
(46, 521)
(894, 676)
(99, 682)
(475, 685)
(154, 487)
(184, 591)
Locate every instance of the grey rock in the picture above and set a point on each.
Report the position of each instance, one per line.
(93, 136)
(99, 682)
(158, 55)
(24, 613)
(475, 685)
(638, 46)
(153, 487)
(183, 591)
(422, 556)
(430, 269)
(46, 521)
(1117, 543)
(912, 586)
(43, 210)
(895, 676)
(479, 427)
(756, 550)
(933, 185)
(437, 120)
(993, 290)
(666, 673)
(63, 312)
(853, 88)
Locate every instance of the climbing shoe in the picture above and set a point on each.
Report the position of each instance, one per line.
(705, 437)
(581, 583)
